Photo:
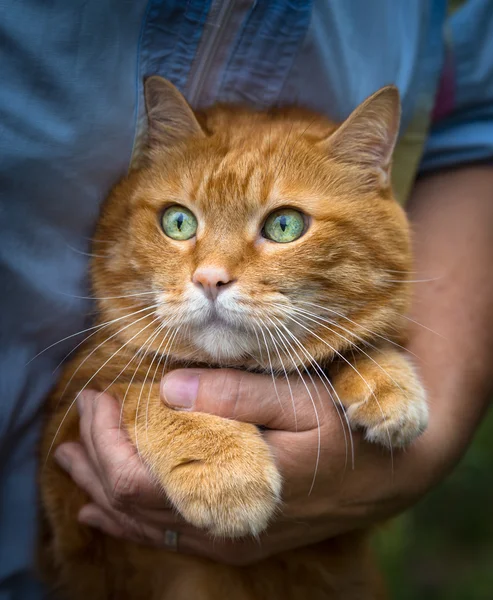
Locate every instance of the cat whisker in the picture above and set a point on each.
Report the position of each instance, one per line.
(276, 348)
(425, 327)
(97, 327)
(411, 280)
(270, 364)
(319, 440)
(100, 345)
(142, 350)
(95, 240)
(322, 375)
(405, 271)
(160, 329)
(166, 353)
(88, 382)
(108, 297)
(161, 356)
(313, 320)
(300, 358)
(77, 251)
(261, 361)
(373, 333)
(342, 357)
(291, 395)
(305, 312)
(173, 335)
(104, 326)
(136, 353)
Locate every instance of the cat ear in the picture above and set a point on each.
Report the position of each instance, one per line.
(170, 117)
(368, 136)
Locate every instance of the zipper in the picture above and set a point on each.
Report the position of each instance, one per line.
(214, 33)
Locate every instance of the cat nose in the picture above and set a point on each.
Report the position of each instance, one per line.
(211, 280)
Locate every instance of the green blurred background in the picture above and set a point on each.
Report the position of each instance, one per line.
(443, 548)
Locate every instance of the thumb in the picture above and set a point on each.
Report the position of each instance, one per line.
(289, 405)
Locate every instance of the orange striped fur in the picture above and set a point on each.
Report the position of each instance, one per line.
(232, 167)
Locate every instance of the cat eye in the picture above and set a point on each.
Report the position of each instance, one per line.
(179, 223)
(284, 225)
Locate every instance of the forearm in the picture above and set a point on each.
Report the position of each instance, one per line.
(452, 217)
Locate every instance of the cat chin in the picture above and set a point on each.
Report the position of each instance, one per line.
(222, 343)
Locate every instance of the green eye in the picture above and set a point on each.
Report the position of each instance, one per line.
(284, 225)
(179, 223)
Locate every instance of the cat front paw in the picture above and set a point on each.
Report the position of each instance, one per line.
(232, 492)
(395, 428)
(385, 398)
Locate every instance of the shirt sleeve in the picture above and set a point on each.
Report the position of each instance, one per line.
(462, 124)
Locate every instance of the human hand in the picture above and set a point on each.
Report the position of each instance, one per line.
(354, 483)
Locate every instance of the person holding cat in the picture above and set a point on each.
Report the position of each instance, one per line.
(73, 124)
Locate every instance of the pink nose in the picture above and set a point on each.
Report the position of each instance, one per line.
(211, 280)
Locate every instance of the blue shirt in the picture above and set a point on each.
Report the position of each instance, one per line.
(72, 117)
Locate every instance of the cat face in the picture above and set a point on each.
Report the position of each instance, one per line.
(256, 238)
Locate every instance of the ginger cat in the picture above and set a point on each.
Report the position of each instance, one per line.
(254, 240)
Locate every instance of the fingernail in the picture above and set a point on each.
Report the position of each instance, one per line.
(62, 459)
(91, 521)
(82, 398)
(180, 389)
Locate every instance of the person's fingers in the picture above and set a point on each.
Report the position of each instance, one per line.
(125, 478)
(121, 525)
(139, 524)
(73, 458)
(94, 516)
(145, 529)
(85, 405)
(289, 405)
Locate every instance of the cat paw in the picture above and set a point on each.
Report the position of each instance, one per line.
(235, 494)
(384, 398)
(395, 428)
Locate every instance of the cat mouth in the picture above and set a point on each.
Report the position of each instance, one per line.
(226, 320)
(223, 341)
(215, 315)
